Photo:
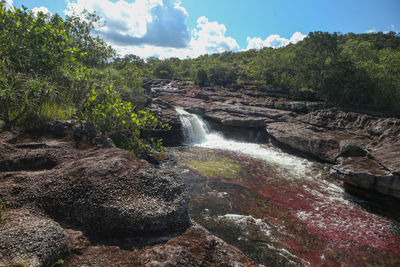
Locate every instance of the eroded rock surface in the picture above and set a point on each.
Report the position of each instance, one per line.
(107, 190)
(68, 189)
(28, 236)
(195, 247)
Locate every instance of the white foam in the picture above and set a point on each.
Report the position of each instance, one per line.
(243, 221)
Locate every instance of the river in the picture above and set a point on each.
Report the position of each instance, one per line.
(279, 209)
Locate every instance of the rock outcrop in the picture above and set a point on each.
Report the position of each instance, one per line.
(67, 178)
(195, 247)
(358, 145)
(364, 149)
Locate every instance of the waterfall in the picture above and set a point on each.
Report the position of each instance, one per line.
(197, 133)
(194, 128)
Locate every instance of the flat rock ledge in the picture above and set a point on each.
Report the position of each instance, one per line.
(68, 189)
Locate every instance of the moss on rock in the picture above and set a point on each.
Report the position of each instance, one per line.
(222, 167)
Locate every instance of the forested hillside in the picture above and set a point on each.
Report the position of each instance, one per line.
(350, 70)
(53, 68)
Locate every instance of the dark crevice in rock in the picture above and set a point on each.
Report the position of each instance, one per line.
(28, 164)
(31, 145)
(375, 202)
(253, 135)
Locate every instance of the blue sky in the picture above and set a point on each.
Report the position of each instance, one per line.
(189, 28)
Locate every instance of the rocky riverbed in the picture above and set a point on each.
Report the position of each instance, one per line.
(364, 150)
(70, 193)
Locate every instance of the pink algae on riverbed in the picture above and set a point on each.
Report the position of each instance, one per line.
(323, 228)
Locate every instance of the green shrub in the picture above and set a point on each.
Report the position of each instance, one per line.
(21, 95)
(120, 120)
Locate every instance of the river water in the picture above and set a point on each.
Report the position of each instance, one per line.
(279, 209)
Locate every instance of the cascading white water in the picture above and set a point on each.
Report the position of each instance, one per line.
(194, 128)
(197, 133)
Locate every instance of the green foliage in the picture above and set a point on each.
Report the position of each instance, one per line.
(120, 120)
(93, 51)
(163, 71)
(44, 59)
(21, 94)
(201, 77)
(51, 110)
(222, 74)
(33, 43)
(129, 59)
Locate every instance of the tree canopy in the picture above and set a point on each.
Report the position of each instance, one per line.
(360, 71)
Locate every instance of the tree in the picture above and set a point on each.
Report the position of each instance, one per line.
(94, 52)
(201, 77)
(164, 70)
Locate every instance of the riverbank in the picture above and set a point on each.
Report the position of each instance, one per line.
(70, 194)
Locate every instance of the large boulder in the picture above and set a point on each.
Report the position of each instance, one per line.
(31, 238)
(111, 192)
(320, 143)
(106, 191)
(231, 114)
(166, 112)
(387, 153)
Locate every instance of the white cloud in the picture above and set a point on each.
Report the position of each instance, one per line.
(394, 29)
(371, 31)
(143, 22)
(154, 28)
(274, 41)
(254, 43)
(207, 38)
(391, 28)
(297, 37)
(41, 9)
(9, 4)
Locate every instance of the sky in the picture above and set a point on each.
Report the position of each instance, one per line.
(190, 28)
